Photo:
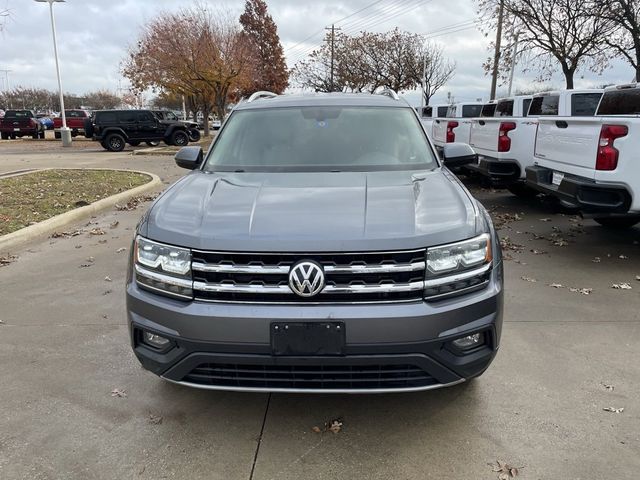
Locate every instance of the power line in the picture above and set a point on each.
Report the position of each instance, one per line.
(385, 14)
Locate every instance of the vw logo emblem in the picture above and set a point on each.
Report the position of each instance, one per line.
(306, 279)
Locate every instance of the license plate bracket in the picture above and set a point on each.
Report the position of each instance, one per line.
(307, 338)
(556, 178)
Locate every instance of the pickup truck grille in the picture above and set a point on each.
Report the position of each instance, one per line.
(350, 277)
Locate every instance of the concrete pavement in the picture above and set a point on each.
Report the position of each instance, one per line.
(64, 349)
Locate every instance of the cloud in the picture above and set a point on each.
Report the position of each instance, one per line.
(93, 36)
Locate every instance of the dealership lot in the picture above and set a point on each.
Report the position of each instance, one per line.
(76, 404)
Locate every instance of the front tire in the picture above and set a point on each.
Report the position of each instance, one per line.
(179, 138)
(115, 142)
(617, 222)
(194, 135)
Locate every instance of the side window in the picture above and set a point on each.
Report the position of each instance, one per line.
(504, 108)
(127, 117)
(442, 111)
(620, 102)
(451, 112)
(471, 111)
(488, 110)
(106, 117)
(526, 103)
(546, 105)
(427, 111)
(146, 117)
(584, 104)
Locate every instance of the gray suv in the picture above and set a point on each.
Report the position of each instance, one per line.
(320, 245)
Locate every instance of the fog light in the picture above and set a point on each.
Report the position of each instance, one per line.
(155, 340)
(466, 343)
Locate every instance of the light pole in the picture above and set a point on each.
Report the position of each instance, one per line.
(65, 133)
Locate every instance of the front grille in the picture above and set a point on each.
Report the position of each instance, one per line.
(348, 377)
(350, 277)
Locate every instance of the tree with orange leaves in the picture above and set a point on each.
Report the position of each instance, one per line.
(196, 52)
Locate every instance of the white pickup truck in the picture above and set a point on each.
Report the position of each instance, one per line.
(456, 126)
(505, 143)
(429, 113)
(592, 163)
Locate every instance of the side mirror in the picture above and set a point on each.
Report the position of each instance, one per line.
(458, 154)
(189, 157)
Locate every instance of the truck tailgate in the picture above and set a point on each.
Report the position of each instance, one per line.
(484, 134)
(568, 144)
(440, 130)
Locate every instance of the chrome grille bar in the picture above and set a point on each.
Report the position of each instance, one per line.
(329, 289)
(284, 269)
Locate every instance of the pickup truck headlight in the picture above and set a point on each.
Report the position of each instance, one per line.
(163, 268)
(458, 267)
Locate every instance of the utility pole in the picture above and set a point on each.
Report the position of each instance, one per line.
(6, 76)
(513, 62)
(333, 45)
(496, 56)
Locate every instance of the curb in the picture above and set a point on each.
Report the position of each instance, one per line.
(24, 235)
(153, 151)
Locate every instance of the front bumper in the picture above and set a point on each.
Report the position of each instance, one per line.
(579, 192)
(500, 172)
(389, 347)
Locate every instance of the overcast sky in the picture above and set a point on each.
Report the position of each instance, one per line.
(93, 36)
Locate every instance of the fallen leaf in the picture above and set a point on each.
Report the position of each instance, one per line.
(528, 279)
(91, 259)
(120, 250)
(107, 292)
(117, 392)
(504, 470)
(561, 243)
(623, 257)
(336, 426)
(608, 387)
(538, 252)
(621, 286)
(107, 279)
(317, 429)
(67, 234)
(114, 224)
(6, 260)
(613, 409)
(583, 291)
(155, 419)
(545, 219)
(97, 231)
(85, 265)
(556, 285)
(596, 260)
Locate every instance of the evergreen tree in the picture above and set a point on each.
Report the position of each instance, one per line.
(270, 69)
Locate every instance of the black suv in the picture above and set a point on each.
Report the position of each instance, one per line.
(115, 128)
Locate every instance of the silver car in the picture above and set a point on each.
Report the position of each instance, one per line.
(320, 245)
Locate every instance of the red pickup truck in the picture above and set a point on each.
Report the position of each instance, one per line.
(20, 123)
(75, 122)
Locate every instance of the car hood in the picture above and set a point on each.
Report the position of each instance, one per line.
(298, 212)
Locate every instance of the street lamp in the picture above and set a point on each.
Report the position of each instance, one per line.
(65, 133)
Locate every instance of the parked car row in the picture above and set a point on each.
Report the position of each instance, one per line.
(576, 145)
(20, 123)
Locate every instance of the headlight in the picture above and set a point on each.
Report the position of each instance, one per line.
(458, 268)
(459, 256)
(163, 268)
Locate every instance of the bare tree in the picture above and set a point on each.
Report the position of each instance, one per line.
(438, 70)
(625, 41)
(368, 61)
(569, 34)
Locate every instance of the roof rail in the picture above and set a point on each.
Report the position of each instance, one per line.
(261, 94)
(389, 93)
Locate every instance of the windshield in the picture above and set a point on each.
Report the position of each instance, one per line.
(320, 139)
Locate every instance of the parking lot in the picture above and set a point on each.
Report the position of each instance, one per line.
(75, 403)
